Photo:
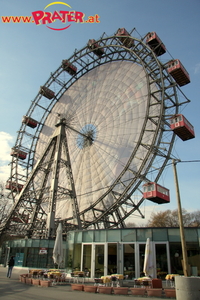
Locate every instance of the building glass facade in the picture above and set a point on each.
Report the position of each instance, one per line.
(103, 252)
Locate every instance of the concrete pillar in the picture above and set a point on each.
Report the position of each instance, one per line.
(187, 288)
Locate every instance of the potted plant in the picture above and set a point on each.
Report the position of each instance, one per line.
(45, 283)
(35, 281)
(105, 289)
(90, 288)
(138, 291)
(77, 287)
(120, 290)
(170, 293)
(156, 292)
(28, 280)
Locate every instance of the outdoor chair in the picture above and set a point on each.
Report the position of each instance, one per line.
(41, 274)
(45, 276)
(81, 277)
(87, 275)
(98, 281)
(68, 277)
(156, 283)
(34, 274)
(146, 283)
(114, 281)
(172, 282)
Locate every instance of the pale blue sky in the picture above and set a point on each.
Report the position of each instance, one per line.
(29, 53)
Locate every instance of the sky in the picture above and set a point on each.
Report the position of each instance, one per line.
(30, 52)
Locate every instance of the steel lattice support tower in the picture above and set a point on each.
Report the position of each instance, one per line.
(34, 212)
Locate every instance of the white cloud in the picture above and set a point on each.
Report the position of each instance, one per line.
(197, 69)
(4, 173)
(6, 142)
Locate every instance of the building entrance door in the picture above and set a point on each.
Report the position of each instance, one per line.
(99, 260)
(112, 259)
(162, 260)
(129, 260)
(87, 255)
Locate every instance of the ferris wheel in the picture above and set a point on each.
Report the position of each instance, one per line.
(96, 132)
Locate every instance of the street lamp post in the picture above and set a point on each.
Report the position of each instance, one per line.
(180, 217)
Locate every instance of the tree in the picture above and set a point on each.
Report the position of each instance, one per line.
(169, 218)
(130, 225)
(195, 219)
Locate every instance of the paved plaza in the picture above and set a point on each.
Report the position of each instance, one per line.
(13, 289)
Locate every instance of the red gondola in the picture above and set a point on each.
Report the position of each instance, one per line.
(182, 127)
(46, 92)
(69, 67)
(16, 187)
(92, 44)
(124, 37)
(178, 72)
(29, 122)
(156, 193)
(155, 43)
(18, 153)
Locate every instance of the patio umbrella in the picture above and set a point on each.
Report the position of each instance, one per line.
(148, 268)
(58, 247)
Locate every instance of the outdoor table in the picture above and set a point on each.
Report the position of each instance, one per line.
(143, 281)
(54, 274)
(144, 278)
(171, 276)
(35, 272)
(119, 276)
(98, 281)
(106, 279)
(170, 279)
(78, 275)
(146, 283)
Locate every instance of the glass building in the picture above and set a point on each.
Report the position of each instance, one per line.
(104, 252)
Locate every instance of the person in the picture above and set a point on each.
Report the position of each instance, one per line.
(10, 266)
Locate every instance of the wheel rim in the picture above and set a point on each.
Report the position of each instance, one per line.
(142, 106)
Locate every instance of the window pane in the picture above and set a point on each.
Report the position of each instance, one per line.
(143, 234)
(159, 234)
(88, 236)
(141, 257)
(129, 235)
(99, 261)
(35, 243)
(176, 258)
(129, 260)
(191, 235)
(174, 235)
(87, 250)
(44, 243)
(77, 257)
(78, 237)
(100, 236)
(113, 235)
(161, 261)
(28, 243)
(112, 259)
